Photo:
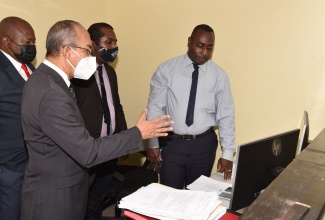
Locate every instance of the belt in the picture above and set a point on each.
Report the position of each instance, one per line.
(188, 137)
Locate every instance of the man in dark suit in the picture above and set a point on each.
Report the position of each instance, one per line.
(89, 95)
(17, 48)
(60, 148)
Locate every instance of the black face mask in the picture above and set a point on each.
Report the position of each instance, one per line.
(109, 55)
(27, 53)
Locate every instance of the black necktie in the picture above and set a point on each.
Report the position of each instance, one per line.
(191, 102)
(107, 116)
(72, 92)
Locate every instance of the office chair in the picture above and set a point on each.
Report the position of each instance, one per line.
(127, 179)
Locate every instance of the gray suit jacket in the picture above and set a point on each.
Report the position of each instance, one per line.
(61, 149)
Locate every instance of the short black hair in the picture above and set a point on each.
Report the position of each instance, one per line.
(95, 31)
(203, 27)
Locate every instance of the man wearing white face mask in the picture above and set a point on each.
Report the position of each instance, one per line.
(60, 148)
(85, 66)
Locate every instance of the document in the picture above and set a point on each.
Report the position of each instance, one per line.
(162, 202)
(208, 184)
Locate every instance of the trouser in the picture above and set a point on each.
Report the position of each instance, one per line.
(10, 193)
(183, 161)
(99, 188)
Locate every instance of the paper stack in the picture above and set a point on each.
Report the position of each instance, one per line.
(162, 202)
(208, 184)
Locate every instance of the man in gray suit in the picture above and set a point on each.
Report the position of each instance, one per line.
(60, 148)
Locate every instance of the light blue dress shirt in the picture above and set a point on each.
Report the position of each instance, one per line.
(169, 94)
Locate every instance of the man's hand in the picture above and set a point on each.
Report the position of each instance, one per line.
(153, 156)
(156, 127)
(225, 166)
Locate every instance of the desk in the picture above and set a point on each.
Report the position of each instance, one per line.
(135, 216)
(229, 215)
(303, 181)
(219, 177)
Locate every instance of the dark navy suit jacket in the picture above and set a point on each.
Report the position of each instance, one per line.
(90, 103)
(13, 153)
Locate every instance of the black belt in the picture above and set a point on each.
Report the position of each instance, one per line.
(189, 137)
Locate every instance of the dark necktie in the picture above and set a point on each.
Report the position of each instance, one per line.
(24, 67)
(191, 102)
(107, 116)
(72, 92)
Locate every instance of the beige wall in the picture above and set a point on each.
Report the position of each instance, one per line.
(42, 14)
(273, 51)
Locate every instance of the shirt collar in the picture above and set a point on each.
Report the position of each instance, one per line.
(58, 70)
(14, 62)
(188, 61)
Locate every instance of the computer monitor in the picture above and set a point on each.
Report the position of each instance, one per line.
(304, 133)
(258, 164)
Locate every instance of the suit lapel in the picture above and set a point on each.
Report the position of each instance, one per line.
(112, 85)
(11, 71)
(56, 77)
(95, 85)
(31, 66)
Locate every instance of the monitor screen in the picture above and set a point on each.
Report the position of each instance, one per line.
(304, 133)
(258, 164)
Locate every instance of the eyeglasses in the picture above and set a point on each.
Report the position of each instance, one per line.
(88, 51)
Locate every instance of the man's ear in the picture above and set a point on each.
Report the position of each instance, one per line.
(94, 48)
(189, 41)
(5, 41)
(66, 52)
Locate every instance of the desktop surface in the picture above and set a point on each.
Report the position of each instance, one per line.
(229, 215)
(226, 202)
(219, 177)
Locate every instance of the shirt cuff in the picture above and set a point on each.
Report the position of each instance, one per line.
(153, 143)
(227, 155)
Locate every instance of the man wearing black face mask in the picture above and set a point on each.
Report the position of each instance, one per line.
(17, 50)
(100, 106)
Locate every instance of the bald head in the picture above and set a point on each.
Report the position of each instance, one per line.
(10, 25)
(15, 31)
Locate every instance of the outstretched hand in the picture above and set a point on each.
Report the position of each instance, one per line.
(156, 127)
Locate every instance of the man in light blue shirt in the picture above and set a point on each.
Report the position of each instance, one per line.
(189, 151)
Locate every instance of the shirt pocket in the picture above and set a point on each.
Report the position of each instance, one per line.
(209, 102)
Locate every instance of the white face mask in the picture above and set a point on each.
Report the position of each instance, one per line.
(85, 68)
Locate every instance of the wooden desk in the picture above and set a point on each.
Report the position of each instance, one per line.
(302, 181)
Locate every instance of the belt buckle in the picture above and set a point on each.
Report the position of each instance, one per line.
(188, 137)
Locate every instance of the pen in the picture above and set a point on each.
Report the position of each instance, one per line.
(156, 164)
